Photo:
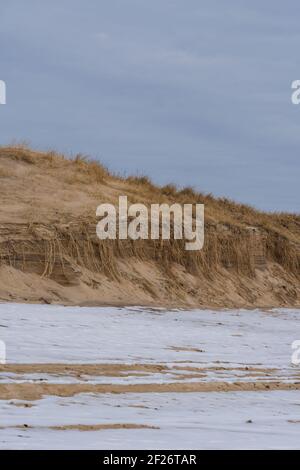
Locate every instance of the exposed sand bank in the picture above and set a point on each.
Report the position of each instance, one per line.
(49, 252)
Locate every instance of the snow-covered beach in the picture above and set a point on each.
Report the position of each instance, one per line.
(170, 379)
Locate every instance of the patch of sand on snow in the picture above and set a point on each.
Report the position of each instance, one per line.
(35, 391)
(84, 427)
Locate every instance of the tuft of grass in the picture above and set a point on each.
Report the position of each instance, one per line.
(90, 169)
(140, 180)
(188, 191)
(169, 190)
(143, 183)
(19, 153)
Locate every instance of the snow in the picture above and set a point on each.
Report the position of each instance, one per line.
(43, 333)
(186, 421)
(204, 339)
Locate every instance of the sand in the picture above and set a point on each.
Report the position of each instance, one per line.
(49, 252)
(122, 370)
(28, 391)
(83, 427)
(268, 380)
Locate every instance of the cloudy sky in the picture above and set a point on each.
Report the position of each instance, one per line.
(192, 92)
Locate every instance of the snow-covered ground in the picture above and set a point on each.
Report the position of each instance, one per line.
(216, 344)
(185, 421)
(42, 333)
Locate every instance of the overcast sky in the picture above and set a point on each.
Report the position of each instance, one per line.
(192, 92)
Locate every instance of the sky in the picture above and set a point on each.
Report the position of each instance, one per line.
(196, 93)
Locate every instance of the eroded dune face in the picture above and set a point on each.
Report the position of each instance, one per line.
(50, 253)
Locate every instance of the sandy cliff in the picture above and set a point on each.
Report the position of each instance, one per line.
(49, 251)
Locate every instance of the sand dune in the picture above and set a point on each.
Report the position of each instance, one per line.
(49, 252)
